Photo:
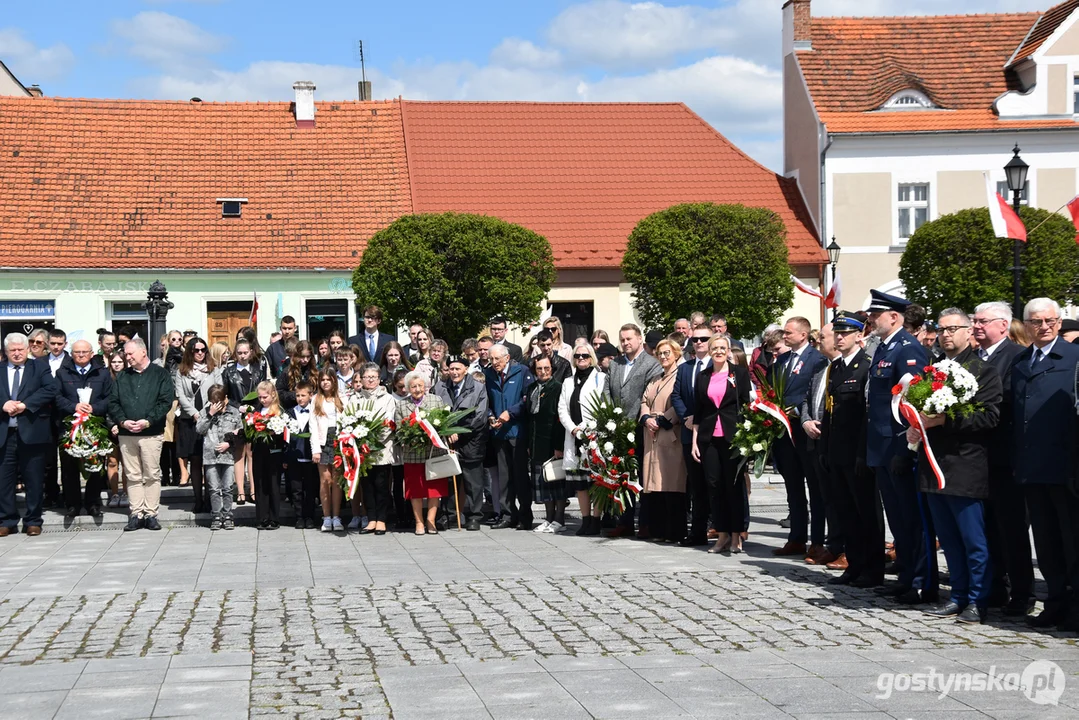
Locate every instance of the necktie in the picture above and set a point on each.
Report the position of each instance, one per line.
(791, 363)
(1038, 355)
(15, 383)
(303, 410)
(370, 347)
(696, 372)
(983, 354)
(82, 371)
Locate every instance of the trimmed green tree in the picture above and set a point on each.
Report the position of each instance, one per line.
(454, 272)
(713, 258)
(955, 261)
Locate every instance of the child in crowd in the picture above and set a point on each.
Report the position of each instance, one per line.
(323, 426)
(220, 424)
(302, 472)
(345, 372)
(266, 459)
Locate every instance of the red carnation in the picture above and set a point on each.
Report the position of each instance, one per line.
(915, 380)
(767, 423)
(897, 390)
(615, 460)
(771, 394)
(938, 386)
(630, 452)
(928, 368)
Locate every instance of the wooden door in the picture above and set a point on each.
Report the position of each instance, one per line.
(224, 324)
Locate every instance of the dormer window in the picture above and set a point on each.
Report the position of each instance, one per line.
(231, 207)
(908, 100)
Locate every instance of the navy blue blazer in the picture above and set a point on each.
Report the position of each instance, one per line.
(68, 381)
(381, 341)
(885, 438)
(37, 388)
(1046, 426)
(683, 396)
(798, 382)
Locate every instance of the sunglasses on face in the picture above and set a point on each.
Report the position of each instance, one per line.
(699, 339)
(584, 356)
(199, 349)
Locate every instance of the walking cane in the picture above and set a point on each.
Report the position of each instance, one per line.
(456, 503)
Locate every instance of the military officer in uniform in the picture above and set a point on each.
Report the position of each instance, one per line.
(854, 486)
(897, 354)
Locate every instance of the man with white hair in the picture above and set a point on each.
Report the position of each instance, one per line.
(511, 483)
(1006, 521)
(94, 382)
(26, 395)
(1046, 434)
(141, 399)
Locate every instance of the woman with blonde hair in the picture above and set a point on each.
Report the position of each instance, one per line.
(579, 393)
(1017, 333)
(663, 467)
(560, 346)
(266, 458)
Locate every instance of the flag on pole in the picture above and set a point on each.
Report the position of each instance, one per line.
(806, 289)
(1073, 210)
(254, 309)
(833, 298)
(1006, 223)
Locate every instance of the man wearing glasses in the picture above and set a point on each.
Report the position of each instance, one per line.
(1046, 435)
(82, 375)
(371, 341)
(684, 400)
(1006, 510)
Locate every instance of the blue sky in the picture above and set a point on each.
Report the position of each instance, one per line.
(720, 57)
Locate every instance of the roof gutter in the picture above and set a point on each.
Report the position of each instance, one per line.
(898, 133)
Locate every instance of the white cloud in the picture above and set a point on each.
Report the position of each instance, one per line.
(30, 63)
(514, 52)
(167, 41)
(866, 8)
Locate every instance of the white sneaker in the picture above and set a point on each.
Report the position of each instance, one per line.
(337, 526)
(542, 528)
(327, 525)
(555, 527)
(354, 524)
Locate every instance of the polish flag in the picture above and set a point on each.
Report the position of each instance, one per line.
(1006, 223)
(806, 289)
(1073, 209)
(254, 309)
(834, 296)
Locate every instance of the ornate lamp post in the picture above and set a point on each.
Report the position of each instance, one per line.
(1016, 173)
(833, 258)
(157, 308)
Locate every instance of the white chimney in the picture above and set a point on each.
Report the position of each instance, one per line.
(304, 107)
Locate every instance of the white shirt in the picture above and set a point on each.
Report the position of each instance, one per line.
(888, 339)
(1045, 350)
(13, 421)
(992, 348)
(705, 363)
(847, 359)
(240, 368)
(55, 361)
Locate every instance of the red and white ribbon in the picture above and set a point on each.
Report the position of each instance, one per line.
(429, 431)
(903, 410)
(762, 404)
(76, 422)
(350, 461)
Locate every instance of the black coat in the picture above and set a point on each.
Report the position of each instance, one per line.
(285, 391)
(236, 388)
(843, 428)
(961, 445)
(1046, 427)
(472, 446)
(560, 367)
(730, 410)
(545, 431)
(1000, 448)
(68, 383)
(37, 390)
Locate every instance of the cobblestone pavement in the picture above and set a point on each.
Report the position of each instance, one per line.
(496, 624)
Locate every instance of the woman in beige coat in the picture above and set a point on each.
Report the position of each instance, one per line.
(663, 467)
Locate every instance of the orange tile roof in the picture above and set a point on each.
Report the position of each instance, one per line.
(857, 64)
(904, 121)
(133, 184)
(583, 174)
(1043, 28)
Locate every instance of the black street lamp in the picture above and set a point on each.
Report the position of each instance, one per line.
(833, 258)
(157, 308)
(1016, 173)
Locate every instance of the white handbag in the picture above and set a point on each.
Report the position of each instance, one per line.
(554, 470)
(442, 466)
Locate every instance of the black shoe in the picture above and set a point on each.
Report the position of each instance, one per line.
(971, 615)
(151, 523)
(891, 568)
(692, 542)
(96, 511)
(299, 523)
(1017, 607)
(503, 524)
(133, 523)
(473, 525)
(997, 598)
(1045, 619)
(71, 513)
(272, 524)
(945, 609)
(865, 582)
(916, 597)
(525, 526)
(308, 524)
(845, 579)
(892, 589)
(608, 522)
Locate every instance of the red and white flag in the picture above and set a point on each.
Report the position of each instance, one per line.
(1073, 210)
(254, 309)
(1006, 223)
(834, 296)
(806, 289)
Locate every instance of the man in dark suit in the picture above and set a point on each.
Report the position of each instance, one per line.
(794, 371)
(1045, 457)
(897, 354)
(854, 487)
(57, 357)
(82, 375)
(560, 367)
(683, 398)
(275, 352)
(27, 390)
(461, 391)
(371, 341)
(498, 334)
(1006, 509)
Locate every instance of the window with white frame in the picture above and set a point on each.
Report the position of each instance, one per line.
(1004, 192)
(913, 208)
(1075, 93)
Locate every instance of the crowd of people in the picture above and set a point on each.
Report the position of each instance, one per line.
(846, 463)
